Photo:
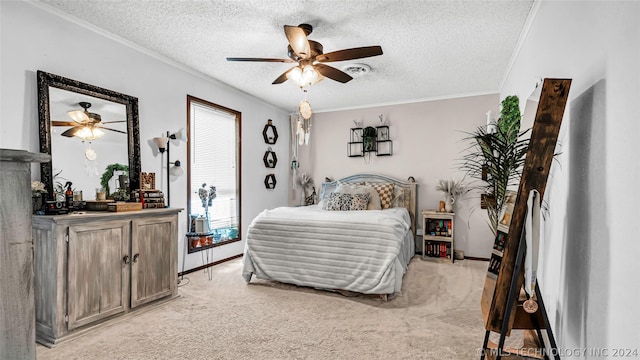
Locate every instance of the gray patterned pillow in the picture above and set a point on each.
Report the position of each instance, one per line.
(359, 201)
(347, 202)
(339, 202)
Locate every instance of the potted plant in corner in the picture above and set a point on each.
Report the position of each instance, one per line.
(495, 158)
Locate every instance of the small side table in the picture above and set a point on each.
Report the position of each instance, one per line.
(437, 240)
(202, 242)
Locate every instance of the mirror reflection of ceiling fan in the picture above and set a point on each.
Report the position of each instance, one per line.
(85, 125)
(310, 58)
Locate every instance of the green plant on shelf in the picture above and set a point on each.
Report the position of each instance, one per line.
(496, 159)
(108, 174)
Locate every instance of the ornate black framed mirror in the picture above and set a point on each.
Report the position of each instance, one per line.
(85, 128)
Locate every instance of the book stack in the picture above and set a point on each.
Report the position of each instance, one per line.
(437, 249)
(438, 227)
(150, 198)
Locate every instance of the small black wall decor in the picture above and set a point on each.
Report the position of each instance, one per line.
(270, 181)
(270, 159)
(370, 140)
(270, 133)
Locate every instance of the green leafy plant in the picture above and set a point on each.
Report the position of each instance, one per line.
(496, 159)
(108, 174)
(369, 138)
(510, 117)
(58, 186)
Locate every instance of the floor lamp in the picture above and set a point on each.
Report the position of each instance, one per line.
(162, 143)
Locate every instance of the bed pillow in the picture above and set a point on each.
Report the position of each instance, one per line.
(359, 202)
(398, 199)
(374, 198)
(347, 202)
(385, 192)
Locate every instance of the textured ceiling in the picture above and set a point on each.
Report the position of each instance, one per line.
(432, 49)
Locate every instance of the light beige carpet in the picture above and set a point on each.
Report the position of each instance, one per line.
(437, 316)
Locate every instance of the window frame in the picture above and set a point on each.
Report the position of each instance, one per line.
(238, 119)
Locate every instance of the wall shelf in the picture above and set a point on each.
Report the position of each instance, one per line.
(369, 140)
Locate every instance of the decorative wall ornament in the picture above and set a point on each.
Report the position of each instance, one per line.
(269, 133)
(270, 181)
(303, 130)
(369, 139)
(270, 159)
(307, 187)
(300, 133)
(108, 174)
(147, 181)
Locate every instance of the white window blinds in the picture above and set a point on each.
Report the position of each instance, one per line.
(213, 160)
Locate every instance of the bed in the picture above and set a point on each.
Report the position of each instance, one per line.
(322, 247)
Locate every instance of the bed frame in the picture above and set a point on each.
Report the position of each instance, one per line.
(409, 187)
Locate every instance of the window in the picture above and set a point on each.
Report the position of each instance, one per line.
(214, 159)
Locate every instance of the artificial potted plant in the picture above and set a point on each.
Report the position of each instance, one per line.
(496, 158)
(450, 189)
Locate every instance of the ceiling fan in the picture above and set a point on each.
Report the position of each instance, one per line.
(310, 58)
(85, 125)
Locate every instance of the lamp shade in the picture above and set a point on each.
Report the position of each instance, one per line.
(176, 169)
(180, 135)
(161, 142)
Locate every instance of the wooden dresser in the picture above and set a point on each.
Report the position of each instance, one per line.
(101, 265)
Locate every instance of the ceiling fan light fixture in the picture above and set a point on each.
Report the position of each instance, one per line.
(295, 75)
(89, 133)
(309, 75)
(304, 76)
(78, 116)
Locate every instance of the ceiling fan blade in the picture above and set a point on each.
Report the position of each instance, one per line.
(63, 123)
(112, 122)
(106, 128)
(282, 78)
(298, 41)
(259, 59)
(72, 132)
(333, 73)
(350, 54)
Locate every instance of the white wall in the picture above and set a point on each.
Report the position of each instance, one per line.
(428, 144)
(36, 39)
(590, 268)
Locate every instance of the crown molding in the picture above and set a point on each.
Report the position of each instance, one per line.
(410, 101)
(521, 39)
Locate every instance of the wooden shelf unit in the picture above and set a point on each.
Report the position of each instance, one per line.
(438, 236)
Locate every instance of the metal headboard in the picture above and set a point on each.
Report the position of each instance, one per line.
(409, 188)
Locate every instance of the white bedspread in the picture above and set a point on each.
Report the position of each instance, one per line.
(361, 251)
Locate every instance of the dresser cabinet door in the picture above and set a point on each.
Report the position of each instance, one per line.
(153, 267)
(98, 271)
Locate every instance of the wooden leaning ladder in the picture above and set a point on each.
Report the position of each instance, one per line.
(501, 298)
